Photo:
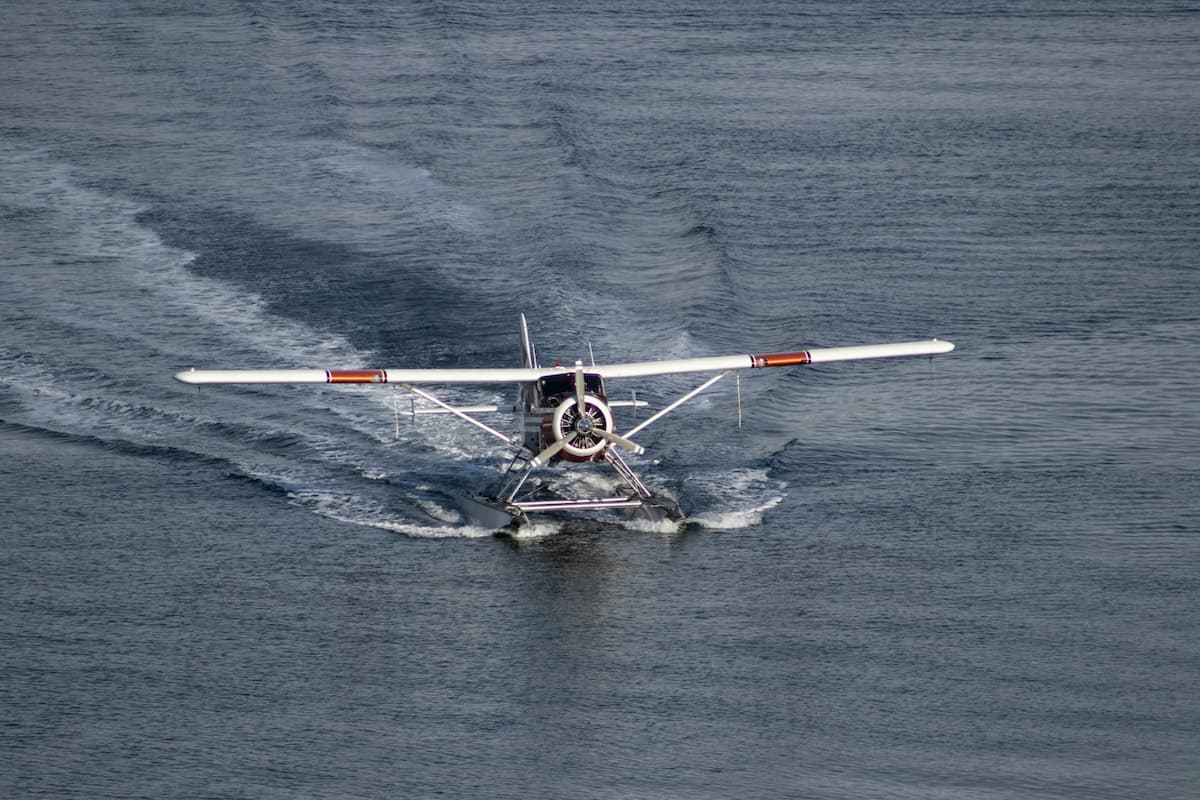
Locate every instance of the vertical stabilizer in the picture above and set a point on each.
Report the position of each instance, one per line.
(528, 354)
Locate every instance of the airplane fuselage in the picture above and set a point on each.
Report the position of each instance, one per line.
(549, 411)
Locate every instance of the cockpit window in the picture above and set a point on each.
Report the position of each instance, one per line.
(553, 385)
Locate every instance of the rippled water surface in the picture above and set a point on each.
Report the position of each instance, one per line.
(972, 577)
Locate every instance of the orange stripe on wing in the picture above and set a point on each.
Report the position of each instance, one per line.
(782, 359)
(356, 376)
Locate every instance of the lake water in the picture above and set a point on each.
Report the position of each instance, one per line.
(976, 577)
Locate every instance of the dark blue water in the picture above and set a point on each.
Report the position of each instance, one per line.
(976, 578)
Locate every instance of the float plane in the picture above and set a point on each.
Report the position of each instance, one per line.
(565, 417)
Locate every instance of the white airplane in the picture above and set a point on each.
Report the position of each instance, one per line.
(565, 417)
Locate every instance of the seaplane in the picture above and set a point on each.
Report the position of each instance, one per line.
(565, 418)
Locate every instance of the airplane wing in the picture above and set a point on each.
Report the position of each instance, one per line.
(413, 376)
(642, 369)
(639, 369)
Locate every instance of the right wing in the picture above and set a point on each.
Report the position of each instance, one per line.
(643, 369)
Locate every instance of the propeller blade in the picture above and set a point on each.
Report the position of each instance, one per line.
(552, 449)
(619, 441)
(579, 387)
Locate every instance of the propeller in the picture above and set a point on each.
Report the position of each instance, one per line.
(619, 441)
(552, 450)
(579, 387)
(583, 425)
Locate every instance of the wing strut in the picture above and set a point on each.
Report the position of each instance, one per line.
(738, 378)
(464, 417)
(667, 410)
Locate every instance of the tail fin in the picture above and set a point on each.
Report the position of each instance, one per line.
(528, 354)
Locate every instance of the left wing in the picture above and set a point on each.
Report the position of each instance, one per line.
(447, 376)
(637, 369)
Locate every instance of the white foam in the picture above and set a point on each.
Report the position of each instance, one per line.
(540, 528)
(735, 519)
(663, 526)
(355, 510)
(440, 512)
(736, 498)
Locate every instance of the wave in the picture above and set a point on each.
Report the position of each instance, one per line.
(108, 318)
(112, 311)
(125, 447)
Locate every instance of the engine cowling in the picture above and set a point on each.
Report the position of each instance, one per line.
(567, 420)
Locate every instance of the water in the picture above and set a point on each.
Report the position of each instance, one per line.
(971, 578)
